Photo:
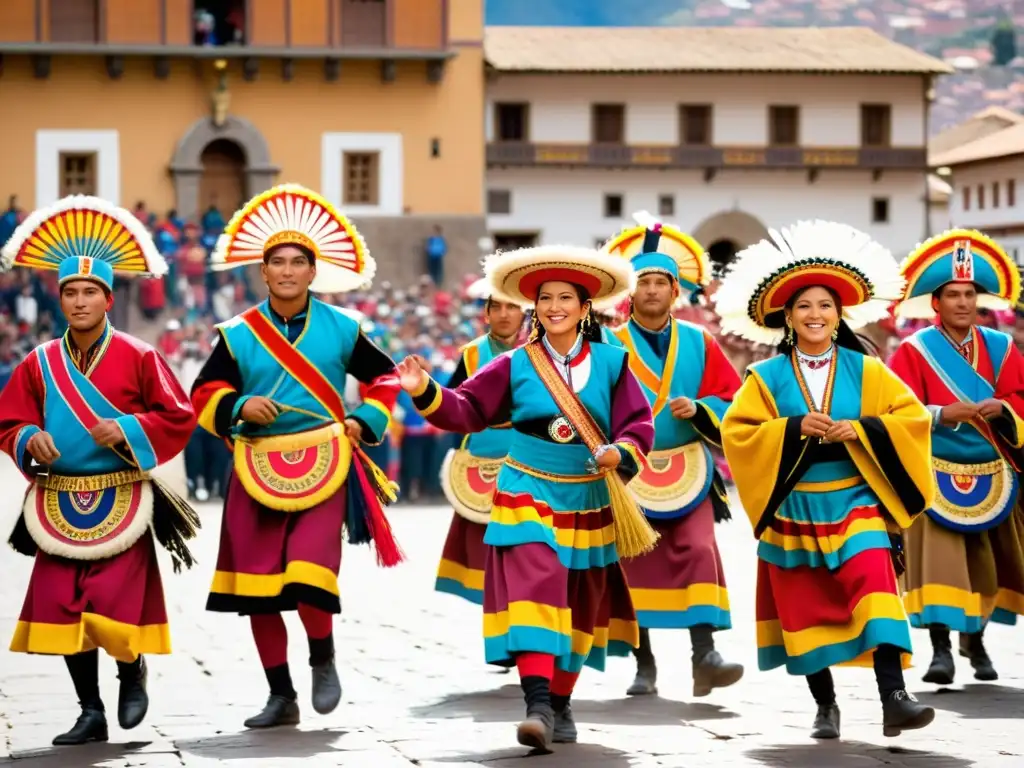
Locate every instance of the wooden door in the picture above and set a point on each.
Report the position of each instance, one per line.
(223, 182)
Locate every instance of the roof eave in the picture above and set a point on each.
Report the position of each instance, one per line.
(711, 71)
(224, 52)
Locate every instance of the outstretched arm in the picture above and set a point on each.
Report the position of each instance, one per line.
(482, 401)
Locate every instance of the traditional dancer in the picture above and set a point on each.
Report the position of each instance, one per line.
(830, 451)
(273, 386)
(86, 417)
(469, 473)
(965, 558)
(689, 383)
(555, 598)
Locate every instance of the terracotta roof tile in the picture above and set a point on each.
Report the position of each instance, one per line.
(1005, 143)
(702, 49)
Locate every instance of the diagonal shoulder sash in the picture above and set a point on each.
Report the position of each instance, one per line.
(659, 385)
(567, 401)
(294, 362)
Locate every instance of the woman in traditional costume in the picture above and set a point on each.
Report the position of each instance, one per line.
(555, 598)
(849, 446)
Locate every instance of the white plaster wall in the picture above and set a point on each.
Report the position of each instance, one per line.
(567, 206)
(560, 105)
(986, 175)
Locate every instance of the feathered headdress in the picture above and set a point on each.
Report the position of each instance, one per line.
(765, 276)
(958, 256)
(84, 238)
(290, 214)
(516, 276)
(653, 246)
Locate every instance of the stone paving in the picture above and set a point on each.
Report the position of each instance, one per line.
(418, 693)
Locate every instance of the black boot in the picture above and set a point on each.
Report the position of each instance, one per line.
(565, 726)
(710, 670)
(91, 725)
(902, 712)
(646, 681)
(281, 708)
(326, 684)
(537, 731)
(972, 647)
(132, 699)
(827, 720)
(942, 669)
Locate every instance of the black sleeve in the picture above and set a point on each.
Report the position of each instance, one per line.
(219, 372)
(368, 361)
(889, 462)
(459, 375)
(798, 453)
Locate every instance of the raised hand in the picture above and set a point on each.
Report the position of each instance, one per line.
(411, 375)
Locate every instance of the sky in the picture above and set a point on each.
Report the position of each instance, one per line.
(583, 13)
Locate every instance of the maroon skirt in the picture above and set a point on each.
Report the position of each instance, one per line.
(461, 571)
(116, 604)
(270, 561)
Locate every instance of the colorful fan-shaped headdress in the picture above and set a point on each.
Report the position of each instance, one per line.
(290, 214)
(958, 256)
(516, 276)
(84, 238)
(766, 275)
(654, 246)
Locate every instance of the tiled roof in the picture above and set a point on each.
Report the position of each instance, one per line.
(985, 123)
(1005, 143)
(702, 49)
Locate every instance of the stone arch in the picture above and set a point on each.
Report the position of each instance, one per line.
(187, 166)
(725, 233)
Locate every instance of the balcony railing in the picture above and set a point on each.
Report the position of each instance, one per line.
(515, 153)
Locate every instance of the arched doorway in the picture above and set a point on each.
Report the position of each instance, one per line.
(223, 183)
(726, 233)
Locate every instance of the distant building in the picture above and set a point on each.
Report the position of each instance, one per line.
(188, 104)
(725, 132)
(983, 161)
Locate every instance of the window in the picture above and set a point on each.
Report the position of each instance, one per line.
(981, 197)
(613, 206)
(967, 198)
(499, 201)
(74, 21)
(362, 178)
(1011, 192)
(77, 173)
(218, 22)
(875, 125)
(784, 126)
(510, 122)
(695, 124)
(995, 194)
(880, 210)
(666, 205)
(609, 123)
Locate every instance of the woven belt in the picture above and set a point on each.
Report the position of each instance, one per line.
(86, 483)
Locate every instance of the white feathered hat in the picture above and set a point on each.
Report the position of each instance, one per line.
(290, 214)
(763, 277)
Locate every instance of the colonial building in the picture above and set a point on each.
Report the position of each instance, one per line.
(983, 161)
(723, 131)
(187, 104)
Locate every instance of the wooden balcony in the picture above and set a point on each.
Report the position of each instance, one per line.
(526, 154)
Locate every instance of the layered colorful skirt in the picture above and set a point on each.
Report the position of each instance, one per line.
(963, 581)
(270, 561)
(827, 592)
(116, 604)
(463, 558)
(681, 583)
(553, 583)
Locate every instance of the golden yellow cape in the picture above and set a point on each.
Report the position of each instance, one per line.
(753, 433)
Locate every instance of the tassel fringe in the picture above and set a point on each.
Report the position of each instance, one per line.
(369, 491)
(634, 535)
(174, 523)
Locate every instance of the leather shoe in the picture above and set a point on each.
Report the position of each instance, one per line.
(132, 699)
(326, 687)
(538, 729)
(278, 711)
(90, 726)
(645, 683)
(712, 672)
(826, 722)
(902, 712)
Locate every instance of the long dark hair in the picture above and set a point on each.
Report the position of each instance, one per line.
(591, 330)
(845, 336)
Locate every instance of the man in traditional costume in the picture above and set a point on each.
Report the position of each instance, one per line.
(965, 558)
(555, 597)
(469, 473)
(831, 456)
(689, 383)
(86, 417)
(273, 387)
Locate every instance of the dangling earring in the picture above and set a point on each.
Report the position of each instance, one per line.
(534, 328)
(586, 323)
(789, 335)
(835, 332)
